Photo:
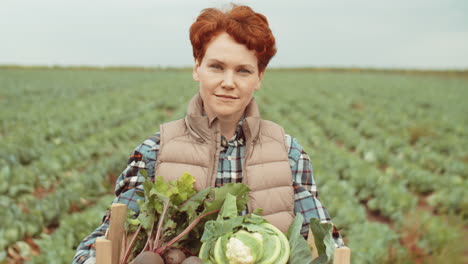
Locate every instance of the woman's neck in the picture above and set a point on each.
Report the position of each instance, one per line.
(228, 125)
(228, 129)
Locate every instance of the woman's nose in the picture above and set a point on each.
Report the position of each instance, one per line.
(228, 80)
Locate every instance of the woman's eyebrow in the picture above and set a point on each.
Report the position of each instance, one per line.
(247, 65)
(222, 63)
(216, 60)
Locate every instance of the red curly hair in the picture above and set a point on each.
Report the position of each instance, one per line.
(243, 24)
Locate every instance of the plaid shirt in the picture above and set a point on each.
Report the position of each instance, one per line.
(231, 158)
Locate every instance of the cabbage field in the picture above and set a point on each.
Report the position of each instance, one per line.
(389, 151)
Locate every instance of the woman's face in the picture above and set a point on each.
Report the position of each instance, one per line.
(228, 76)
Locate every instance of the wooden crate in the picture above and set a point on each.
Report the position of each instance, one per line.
(109, 248)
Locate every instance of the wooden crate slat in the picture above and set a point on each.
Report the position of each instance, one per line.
(342, 256)
(103, 251)
(116, 229)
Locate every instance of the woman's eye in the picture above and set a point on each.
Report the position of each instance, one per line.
(244, 71)
(216, 66)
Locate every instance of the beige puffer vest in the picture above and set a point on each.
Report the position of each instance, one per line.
(193, 145)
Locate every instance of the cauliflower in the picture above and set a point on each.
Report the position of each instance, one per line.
(252, 239)
(239, 253)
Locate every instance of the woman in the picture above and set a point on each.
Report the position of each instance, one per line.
(222, 139)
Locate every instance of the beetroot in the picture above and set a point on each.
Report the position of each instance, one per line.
(148, 257)
(192, 260)
(174, 256)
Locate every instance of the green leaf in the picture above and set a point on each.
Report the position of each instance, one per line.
(140, 193)
(257, 228)
(134, 222)
(193, 203)
(147, 215)
(131, 220)
(227, 221)
(323, 240)
(147, 186)
(160, 186)
(258, 211)
(169, 228)
(255, 219)
(253, 223)
(183, 189)
(322, 259)
(300, 250)
(170, 224)
(144, 173)
(206, 251)
(229, 209)
(214, 229)
(218, 195)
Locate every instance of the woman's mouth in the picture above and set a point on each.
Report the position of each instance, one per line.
(226, 97)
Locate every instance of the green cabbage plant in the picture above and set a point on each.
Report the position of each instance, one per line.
(247, 239)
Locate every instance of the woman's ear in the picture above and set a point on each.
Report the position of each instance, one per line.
(260, 77)
(195, 71)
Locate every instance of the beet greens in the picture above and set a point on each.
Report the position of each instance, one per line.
(172, 214)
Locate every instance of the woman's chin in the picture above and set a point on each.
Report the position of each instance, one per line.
(223, 114)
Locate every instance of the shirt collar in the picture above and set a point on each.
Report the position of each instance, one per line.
(238, 138)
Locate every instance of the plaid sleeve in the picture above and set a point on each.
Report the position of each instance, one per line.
(127, 185)
(306, 200)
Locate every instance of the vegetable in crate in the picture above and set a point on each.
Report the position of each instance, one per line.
(174, 256)
(173, 213)
(233, 239)
(242, 239)
(301, 250)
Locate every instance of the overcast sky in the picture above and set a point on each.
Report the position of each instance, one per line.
(429, 34)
